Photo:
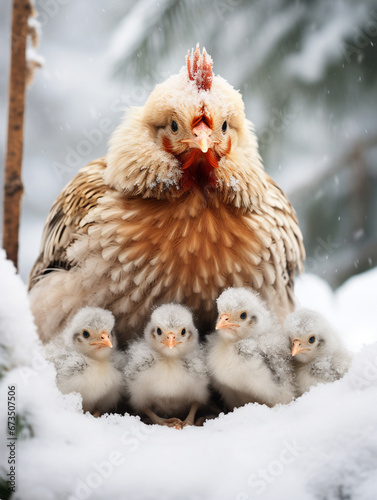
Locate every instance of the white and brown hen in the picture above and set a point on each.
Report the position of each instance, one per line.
(179, 209)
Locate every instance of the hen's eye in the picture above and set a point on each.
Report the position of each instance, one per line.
(311, 340)
(159, 332)
(183, 332)
(243, 315)
(224, 127)
(174, 126)
(85, 334)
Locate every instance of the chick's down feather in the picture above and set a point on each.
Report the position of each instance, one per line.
(87, 361)
(248, 356)
(165, 371)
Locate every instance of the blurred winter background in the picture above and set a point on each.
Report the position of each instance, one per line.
(307, 71)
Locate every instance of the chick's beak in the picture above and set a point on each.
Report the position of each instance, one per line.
(202, 137)
(224, 322)
(170, 340)
(297, 347)
(104, 340)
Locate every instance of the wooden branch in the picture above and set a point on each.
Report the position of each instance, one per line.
(13, 188)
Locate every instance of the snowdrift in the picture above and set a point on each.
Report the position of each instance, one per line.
(322, 446)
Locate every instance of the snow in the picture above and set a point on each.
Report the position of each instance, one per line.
(33, 57)
(234, 183)
(178, 90)
(323, 445)
(34, 30)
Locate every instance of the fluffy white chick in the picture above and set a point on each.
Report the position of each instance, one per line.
(165, 372)
(248, 357)
(319, 355)
(85, 361)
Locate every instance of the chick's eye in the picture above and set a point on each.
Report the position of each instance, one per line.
(159, 332)
(243, 315)
(183, 332)
(174, 126)
(311, 340)
(85, 334)
(224, 127)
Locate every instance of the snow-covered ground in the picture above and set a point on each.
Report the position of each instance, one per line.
(322, 446)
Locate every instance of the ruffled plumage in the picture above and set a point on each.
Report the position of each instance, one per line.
(126, 234)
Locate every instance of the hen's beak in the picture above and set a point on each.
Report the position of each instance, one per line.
(202, 139)
(170, 341)
(224, 322)
(104, 342)
(297, 347)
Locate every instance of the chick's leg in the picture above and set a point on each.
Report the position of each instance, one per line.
(190, 419)
(170, 422)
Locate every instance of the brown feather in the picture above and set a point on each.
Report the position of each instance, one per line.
(169, 257)
(63, 221)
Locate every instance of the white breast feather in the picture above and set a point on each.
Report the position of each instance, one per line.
(100, 385)
(167, 387)
(243, 379)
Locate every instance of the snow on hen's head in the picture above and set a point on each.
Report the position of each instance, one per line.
(199, 68)
(195, 91)
(191, 133)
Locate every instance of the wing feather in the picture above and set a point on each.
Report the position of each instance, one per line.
(287, 249)
(63, 223)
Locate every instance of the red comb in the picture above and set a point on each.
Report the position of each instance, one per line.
(199, 68)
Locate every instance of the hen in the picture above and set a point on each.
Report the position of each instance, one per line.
(178, 210)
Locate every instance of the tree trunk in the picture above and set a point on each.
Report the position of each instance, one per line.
(13, 187)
